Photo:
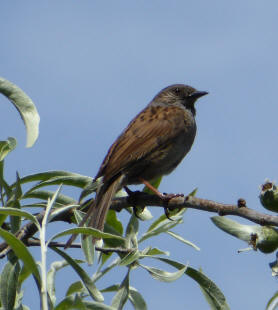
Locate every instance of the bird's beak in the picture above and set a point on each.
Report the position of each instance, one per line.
(197, 94)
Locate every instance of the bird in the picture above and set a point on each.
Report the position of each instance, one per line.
(152, 145)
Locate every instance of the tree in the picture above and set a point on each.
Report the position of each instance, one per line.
(121, 242)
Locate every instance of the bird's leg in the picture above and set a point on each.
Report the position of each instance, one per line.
(152, 188)
(165, 197)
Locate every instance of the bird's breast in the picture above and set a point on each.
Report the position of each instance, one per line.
(168, 153)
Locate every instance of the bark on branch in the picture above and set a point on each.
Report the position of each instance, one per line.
(142, 199)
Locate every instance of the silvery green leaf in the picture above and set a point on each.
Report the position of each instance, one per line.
(25, 107)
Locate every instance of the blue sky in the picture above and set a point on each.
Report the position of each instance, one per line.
(90, 66)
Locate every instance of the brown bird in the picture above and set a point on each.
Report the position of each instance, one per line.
(152, 145)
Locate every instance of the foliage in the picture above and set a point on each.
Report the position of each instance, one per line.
(122, 244)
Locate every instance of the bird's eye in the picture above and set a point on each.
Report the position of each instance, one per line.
(177, 90)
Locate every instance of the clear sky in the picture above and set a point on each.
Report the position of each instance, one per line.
(90, 66)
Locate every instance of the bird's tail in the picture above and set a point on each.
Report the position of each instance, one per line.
(98, 208)
(102, 204)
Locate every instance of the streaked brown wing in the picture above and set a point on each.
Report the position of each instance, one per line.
(150, 129)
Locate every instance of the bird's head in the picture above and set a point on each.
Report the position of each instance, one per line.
(179, 94)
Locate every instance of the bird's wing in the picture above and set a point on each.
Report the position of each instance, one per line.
(149, 130)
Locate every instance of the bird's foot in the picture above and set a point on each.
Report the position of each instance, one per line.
(166, 198)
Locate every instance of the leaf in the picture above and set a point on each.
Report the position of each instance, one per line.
(21, 252)
(71, 303)
(273, 302)
(132, 227)
(90, 188)
(49, 205)
(234, 228)
(86, 243)
(111, 288)
(130, 258)
(25, 107)
(75, 303)
(17, 212)
(75, 288)
(6, 147)
(180, 238)
(154, 251)
(136, 299)
(164, 276)
(77, 181)
(60, 210)
(144, 214)
(14, 202)
(162, 226)
(24, 274)
(113, 221)
(87, 231)
(89, 284)
(8, 284)
(55, 266)
(163, 219)
(134, 296)
(266, 236)
(3, 183)
(45, 195)
(56, 176)
(121, 296)
(214, 293)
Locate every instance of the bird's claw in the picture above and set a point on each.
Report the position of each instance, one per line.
(166, 198)
(167, 213)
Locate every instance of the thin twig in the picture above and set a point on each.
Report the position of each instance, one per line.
(36, 242)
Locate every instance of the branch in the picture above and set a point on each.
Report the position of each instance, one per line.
(36, 242)
(144, 199)
(190, 202)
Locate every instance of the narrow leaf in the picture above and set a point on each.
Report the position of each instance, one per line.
(6, 147)
(60, 210)
(89, 284)
(86, 231)
(180, 238)
(130, 258)
(205, 283)
(75, 303)
(154, 251)
(113, 221)
(8, 284)
(25, 107)
(137, 299)
(55, 266)
(77, 179)
(121, 296)
(21, 252)
(273, 302)
(49, 206)
(163, 219)
(86, 243)
(132, 227)
(111, 288)
(163, 227)
(45, 195)
(164, 276)
(3, 184)
(75, 287)
(17, 212)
